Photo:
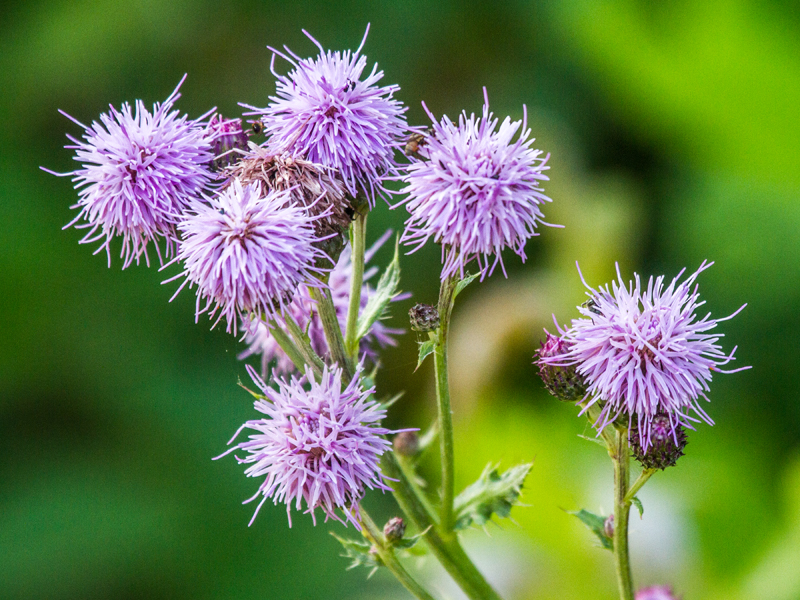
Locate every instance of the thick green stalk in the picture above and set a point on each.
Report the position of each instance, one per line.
(446, 297)
(448, 552)
(358, 238)
(620, 455)
(638, 484)
(287, 344)
(389, 559)
(332, 329)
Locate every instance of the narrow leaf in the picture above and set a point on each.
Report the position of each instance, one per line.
(596, 524)
(638, 504)
(380, 298)
(358, 551)
(491, 494)
(593, 439)
(464, 283)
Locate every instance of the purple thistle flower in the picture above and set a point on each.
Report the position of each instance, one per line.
(226, 136)
(644, 353)
(475, 191)
(326, 112)
(139, 172)
(320, 445)
(246, 252)
(656, 592)
(303, 310)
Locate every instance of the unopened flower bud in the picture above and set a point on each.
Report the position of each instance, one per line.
(406, 443)
(394, 529)
(666, 444)
(656, 592)
(424, 317)
(608, 527)
(563, 382)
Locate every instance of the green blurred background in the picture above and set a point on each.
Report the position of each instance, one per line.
(674, 129)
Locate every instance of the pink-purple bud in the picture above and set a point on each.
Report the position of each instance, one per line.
(563, 382)
(667, 441)
(394, 530)
(424, 317)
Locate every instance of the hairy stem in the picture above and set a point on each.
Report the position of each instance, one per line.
(358, 238)
(620, 455)
(448, 552)
(440, 338)
(332, 329)
(387, 556)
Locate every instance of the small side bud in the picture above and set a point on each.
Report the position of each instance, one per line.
(406, 443)
(608, 527)
(424, 317)
(663, 450)
(394, 530)
(563, 382)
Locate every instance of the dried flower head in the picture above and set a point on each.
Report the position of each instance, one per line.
(474, 190)
(644, 352)
(326, 112)
(304, 311)
(312, 186)
(424, 318)
(320, 445)
(246, 252)
(139, 171)
(656, 592)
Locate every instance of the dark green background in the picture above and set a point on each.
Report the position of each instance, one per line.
(675, 137)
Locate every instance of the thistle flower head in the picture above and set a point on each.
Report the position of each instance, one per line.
(226, 136)
(324, 110)
(666, 443)
(312, 186)
(563, 382)
(139, 171)
(644, 353)
(247, 252)
(319, 446)
(304, 311)
(475, 191)
(656, 592)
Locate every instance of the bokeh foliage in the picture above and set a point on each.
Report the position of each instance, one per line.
(675, 137)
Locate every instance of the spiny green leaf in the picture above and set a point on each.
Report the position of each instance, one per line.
(464, 283)
(492, 493)
(407, 543)
(358, 551)
(638, 504)
(596, 440)
(379, 300)
(597, 525)
(425, 348)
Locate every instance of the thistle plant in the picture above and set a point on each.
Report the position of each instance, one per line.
(272, 236)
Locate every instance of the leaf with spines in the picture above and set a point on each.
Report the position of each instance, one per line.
(360, 554)
(381, 297)
(491, 494)
(408, 542)
(596, 524)
(425, 349)
(464, 283)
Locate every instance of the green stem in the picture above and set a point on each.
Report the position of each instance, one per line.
(303, 346)
(620, 455)
(637, 485)
(287, 344)
(446, 297)
(448, 552)
(406, 465)
(332, 329)
(389, 559)
(358, 238)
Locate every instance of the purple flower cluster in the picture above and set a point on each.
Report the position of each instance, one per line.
(303, 310)
(320, 445)
(475, 191)
(247, 252)
(644, 352)
(139, 172)
(325, 112)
